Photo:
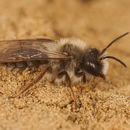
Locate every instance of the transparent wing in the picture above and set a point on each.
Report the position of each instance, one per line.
(29, 50)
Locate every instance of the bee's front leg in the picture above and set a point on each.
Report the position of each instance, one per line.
(79, 73)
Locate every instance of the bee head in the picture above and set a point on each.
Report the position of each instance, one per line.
(92, 63)
(93, 60)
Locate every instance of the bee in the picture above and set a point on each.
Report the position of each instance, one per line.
(66, 61)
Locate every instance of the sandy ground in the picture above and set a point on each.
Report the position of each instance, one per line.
(105, 104)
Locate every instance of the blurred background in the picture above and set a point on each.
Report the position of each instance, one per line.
(97, 22)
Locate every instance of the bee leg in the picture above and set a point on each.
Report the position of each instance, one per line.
(40, 75)
(79, 73)
(11, 66)
(68, 80)
(20, 67)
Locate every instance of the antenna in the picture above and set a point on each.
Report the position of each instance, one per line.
(114, 58)
(113, 42)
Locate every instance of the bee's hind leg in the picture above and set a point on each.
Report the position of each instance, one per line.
(68, 80)
(26, 87)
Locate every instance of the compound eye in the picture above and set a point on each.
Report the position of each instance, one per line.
(94, 52)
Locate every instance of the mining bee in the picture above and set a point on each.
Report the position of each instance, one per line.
(66, 61)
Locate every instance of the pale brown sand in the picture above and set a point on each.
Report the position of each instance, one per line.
(105, 105)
